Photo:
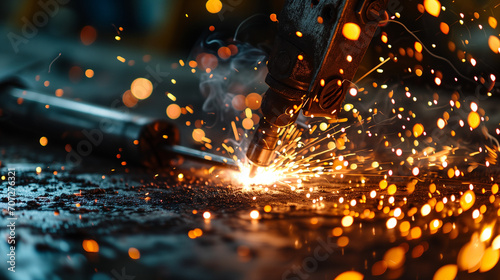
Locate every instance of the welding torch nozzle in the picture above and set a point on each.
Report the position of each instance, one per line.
(279, 111)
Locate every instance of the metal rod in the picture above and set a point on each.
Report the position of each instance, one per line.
(90, 128)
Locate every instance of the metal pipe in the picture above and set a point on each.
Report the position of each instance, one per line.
(90, 128)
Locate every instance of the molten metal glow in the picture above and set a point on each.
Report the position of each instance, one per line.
(265, 176)
(351, 31)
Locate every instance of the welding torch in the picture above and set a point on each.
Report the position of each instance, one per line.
(88, 128)
(317, 50)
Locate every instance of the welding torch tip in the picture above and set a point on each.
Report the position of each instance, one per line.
(253, 170)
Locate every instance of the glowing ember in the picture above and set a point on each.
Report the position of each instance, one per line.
(134, 253)
(173, 111)
(141, 88)
(44, 141)
(433, 7)
(90, 246)
(351, 31)
(350, 275)
(206, 215)
(213, 6)
(254, 214)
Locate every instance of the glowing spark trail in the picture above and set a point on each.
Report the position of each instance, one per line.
(50, 65)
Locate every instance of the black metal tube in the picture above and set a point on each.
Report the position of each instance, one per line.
(86, 127)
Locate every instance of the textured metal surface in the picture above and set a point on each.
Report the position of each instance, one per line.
(153, 212)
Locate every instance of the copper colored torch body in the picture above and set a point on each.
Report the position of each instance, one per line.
(317, 51)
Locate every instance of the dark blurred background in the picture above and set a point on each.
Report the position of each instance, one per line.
(52, 44)
(171, 26)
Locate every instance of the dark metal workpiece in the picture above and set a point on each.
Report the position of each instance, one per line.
(90, 128)
(311, 65)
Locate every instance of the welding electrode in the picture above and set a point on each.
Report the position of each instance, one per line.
(316, 53)
(91, 128)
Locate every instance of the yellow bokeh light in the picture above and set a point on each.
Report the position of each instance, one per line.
(467, 200)
(174, 111)
(405, 226)
(418, 129)
(441, 123)
(471, 254)
(253, 101)
(254, 214)
(171, 96)
(447, 272)
(193, 64)
(395, 257)
(337, 231)
(351, 31)
(133, 253)
(392, 189)
(473, 119)
(490, 259)
(435, 224)
(494, 43)
(206, 215)
(415, 171)
(418, 47)
(492, 22)
(198, 134)
(416, 233)
(391, 223)
(213, 6)
(44, 141)
(247, 123)
(433, 7)
(384, 37)
(451, 173)
(90, 246)
(331, 145)
(496, 243)
(89, 73)
(432, 188)
(59, 92)
(486, 234)
(350, 275)
(347, 221)
(383, 184)
(141, 88)
(426, 210)
(198, 232)
(343, 241)
(445, 28)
